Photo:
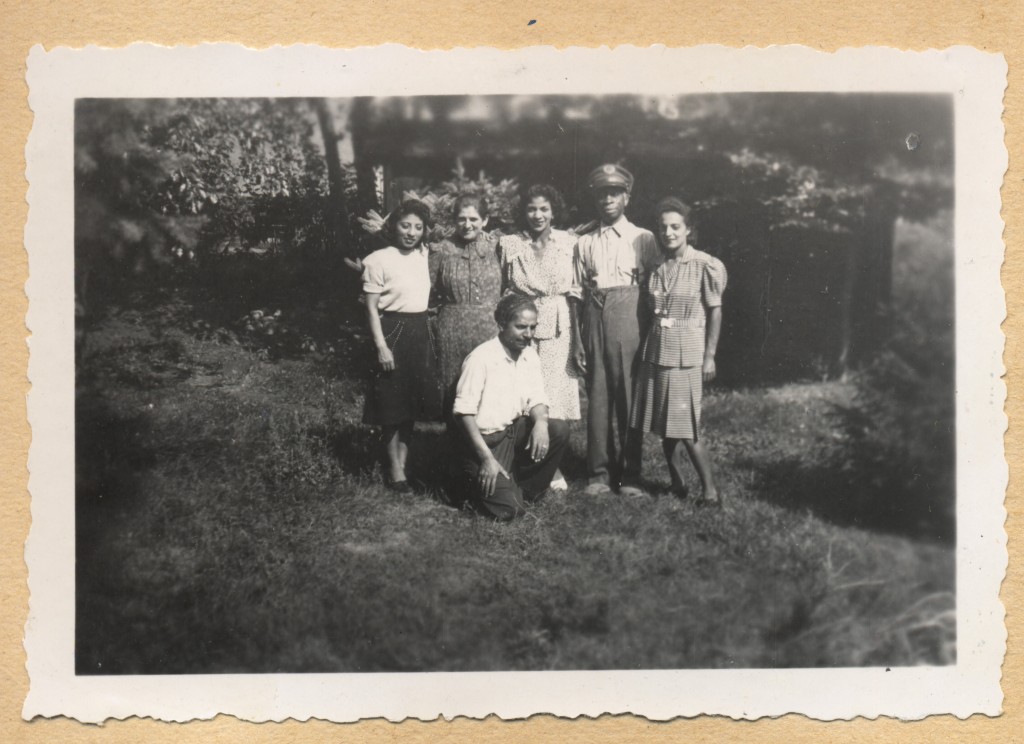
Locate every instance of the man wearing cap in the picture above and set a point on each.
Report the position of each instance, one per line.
(613, 261)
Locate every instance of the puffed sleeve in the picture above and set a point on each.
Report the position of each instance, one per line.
(374, 280)
(713, 282)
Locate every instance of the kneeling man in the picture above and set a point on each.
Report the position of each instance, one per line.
(508, 448)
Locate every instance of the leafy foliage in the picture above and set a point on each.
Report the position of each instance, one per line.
(179, 178)
(502, 199)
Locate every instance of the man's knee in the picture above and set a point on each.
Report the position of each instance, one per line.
(505, 504)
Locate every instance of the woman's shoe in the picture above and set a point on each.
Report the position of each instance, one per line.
(714, 503)
(559, 484)
(680, 492)
(401, 486)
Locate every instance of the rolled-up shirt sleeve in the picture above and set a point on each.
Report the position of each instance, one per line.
(470, 390)
(373, 275)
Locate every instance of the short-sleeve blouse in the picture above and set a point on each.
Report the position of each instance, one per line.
(548, 276)
(401, 279)
(678, 294)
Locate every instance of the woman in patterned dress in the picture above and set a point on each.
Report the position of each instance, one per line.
(678, 355)
(466, 281)
(538, 263)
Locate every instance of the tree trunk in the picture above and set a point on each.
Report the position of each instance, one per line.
(337, 211)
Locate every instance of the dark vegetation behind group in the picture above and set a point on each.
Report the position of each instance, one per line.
(229, 219)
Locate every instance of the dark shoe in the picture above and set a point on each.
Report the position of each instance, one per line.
(401, 486)
(680, 492)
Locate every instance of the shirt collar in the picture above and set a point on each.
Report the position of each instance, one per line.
(505, 352)
(689, 253)
(507, 356)
(619, 227)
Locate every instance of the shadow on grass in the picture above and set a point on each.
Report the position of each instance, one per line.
(109, 459)
(359, 451)
(870, 482)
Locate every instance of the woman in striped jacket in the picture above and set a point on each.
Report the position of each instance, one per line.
(678, 355)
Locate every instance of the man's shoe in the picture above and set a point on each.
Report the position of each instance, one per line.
(597, 489)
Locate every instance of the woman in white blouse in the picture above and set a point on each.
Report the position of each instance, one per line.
(406, 386)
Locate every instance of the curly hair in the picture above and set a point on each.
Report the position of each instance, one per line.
(407, 207)
(510, 306)
(553, 197)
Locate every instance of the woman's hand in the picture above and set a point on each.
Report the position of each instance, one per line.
(356, 264)
(579, 358)
(708, 371)
(386, 359)
(372, 223)
(539, 441)
(488, 476)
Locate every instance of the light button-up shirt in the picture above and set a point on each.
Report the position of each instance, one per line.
(607, 256)
(498, 389)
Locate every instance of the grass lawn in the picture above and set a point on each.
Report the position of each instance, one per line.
(231, 518)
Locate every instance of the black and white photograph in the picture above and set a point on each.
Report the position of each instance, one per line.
(571, 380)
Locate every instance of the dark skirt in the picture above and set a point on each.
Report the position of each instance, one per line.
(412, 391)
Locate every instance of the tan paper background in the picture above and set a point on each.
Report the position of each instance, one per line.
(822, 24)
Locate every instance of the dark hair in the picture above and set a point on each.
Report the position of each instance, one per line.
(510, 306)
(407, 207)
(673, 204)
(553, 197)
(477, 201)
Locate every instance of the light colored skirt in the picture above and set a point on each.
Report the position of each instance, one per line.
(560, 380)
(666, 401)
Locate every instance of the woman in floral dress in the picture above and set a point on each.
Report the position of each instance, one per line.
(538, 263)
